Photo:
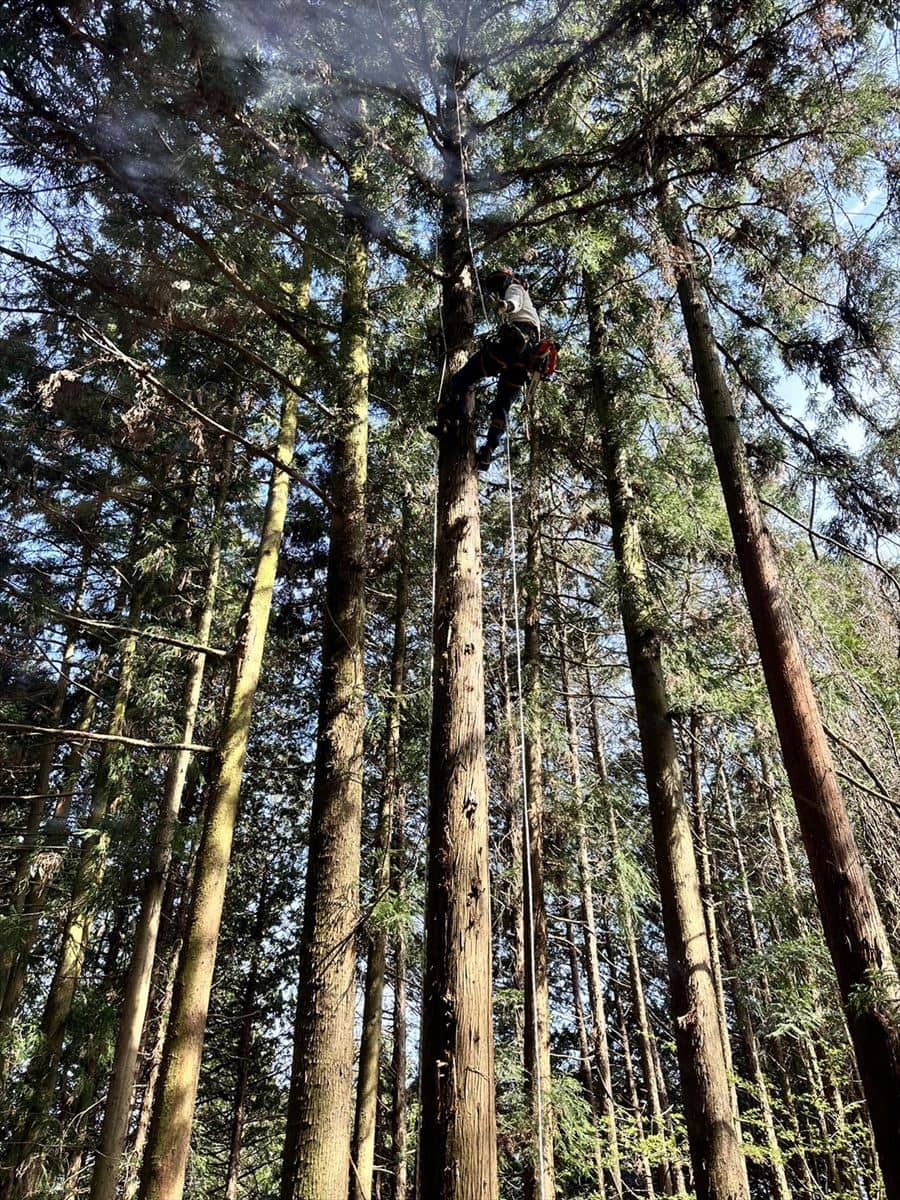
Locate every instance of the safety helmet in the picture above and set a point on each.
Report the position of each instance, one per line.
(499, 280)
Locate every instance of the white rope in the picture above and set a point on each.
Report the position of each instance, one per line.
(462, 167)
(526, 828)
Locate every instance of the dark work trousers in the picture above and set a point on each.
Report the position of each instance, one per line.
(506, 355)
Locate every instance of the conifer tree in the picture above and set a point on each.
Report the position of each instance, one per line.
(850, 917)
(719, 1172)
(169, 1140)
(316, 1162)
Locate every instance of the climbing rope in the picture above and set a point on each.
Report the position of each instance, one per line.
(465, 189)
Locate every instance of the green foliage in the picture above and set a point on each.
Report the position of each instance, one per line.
(166, 177)
(575, 1145)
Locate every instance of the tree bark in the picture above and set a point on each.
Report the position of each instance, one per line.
(587, 1075)
(137, 985)
(168, 1144)
(398, 1054)
(719, 1171)
(43, 1070)
(539, 1176)
(606, 1099)
(39, 887)
(866, 975)
(316, 1157)
(457, 1158)
(370, 1044)
(668, 1174)
(249, 1014)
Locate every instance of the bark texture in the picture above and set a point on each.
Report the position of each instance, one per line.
(376, 965)
(316, 1160)
(168, 1144)
(719, 1171)
(137, 985)
(539, 1177)
(457, 1157)
(854, 931)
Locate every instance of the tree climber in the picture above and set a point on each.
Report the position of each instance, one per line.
(509, 354)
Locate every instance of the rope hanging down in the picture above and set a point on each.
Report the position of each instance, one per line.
(465, 191)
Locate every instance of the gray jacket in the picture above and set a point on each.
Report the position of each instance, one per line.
(519, 308)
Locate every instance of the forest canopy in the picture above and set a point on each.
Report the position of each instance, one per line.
(428, 769)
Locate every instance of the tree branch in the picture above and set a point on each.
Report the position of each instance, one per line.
(68, 735)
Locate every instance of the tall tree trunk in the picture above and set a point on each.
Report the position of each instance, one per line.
(140, 971)
(709, 904)
(539, 1177)
(780, 1187)
(606, 1100)
(457, 1157)
(628, 1068)
(370, 1044)
(39, 886)
(42, 783)
(513, 896)
(245, 1048)
(316, 1158)
(719, 1170)
(866, 975)
(669, 1180)
(587, 1075)
(398, 1054)
(43, 1070)
(168, 1142)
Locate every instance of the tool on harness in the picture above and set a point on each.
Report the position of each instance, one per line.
(545, 358)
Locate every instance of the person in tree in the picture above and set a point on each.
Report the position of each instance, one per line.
(507, 354)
